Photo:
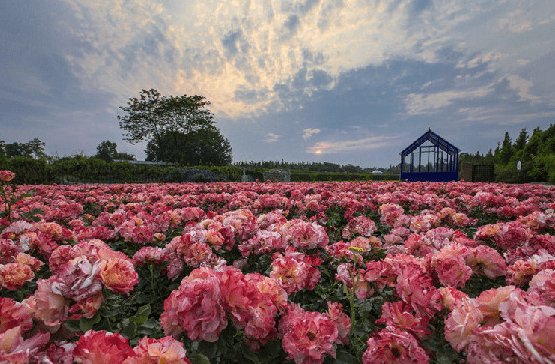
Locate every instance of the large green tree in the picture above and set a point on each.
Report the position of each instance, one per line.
(204, 146)
(176, 120)
(151, 115)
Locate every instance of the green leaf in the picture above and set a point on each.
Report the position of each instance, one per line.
(199, 358)
(86, 324)
(143, 310)
(140, 318)
(342, 357)
(150, 324)
(130, 330)
(72, 325)
(251, 356)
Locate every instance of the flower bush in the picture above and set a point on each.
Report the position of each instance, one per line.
(277, 272)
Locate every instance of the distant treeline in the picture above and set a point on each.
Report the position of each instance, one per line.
(536, 153)
(82, 169)
(317, 167)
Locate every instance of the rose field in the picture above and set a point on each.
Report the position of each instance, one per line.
(350, 272)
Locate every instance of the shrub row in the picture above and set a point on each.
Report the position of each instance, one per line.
(81, 169)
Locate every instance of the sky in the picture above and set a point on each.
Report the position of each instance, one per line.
(345, 81)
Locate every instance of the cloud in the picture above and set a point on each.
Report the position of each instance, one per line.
(220, 49)
(369, 143)
(428, 103)
(272, 138)
(522, 87)
(310, 132)
(515, 22)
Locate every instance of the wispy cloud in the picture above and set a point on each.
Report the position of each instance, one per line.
(428, 103)
(338, 146)
(522, 87)
(272, 138)
(310, 132)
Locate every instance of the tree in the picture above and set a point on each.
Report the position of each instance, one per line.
(152, 115)
(200, 147)
(36, 147)
(107, 151)
(177, 128)
(521, 140)
(506, 151)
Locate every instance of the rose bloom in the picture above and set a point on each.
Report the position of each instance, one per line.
(542, 287)
(294, 271)
(118, 275)
(253, 302)
(6, 176)
(101, 347)
(343, 322)
(488, 303)
(521, 271)
(392, 345)
(86, 308)
(78, 279)
(416, 289)
(487, 261)
(196, 307)
(47, 306)
(528, 336)
(451, 296)
(57, 352)
(462, 323)
(149, 254)
(154, 351)
(14, 349)
(399, 315)
(26, 259)
(14, 275)
(308, 336)
(452, 271)
(14, 314)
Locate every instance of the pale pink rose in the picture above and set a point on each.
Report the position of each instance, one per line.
(462, 323)
(487, 261)
(392, 345)
(118, 275)
(153, 351)
(13, 314)
(542, 286)
(14, 275)
(343, 322)
(47, 306)
(489, 301)
(452, 271)
(308, 336)
(15, 349)
(6, 176)
(196, 307)
(77, 279)
(399, 315)
(451, 296)
(521, 271)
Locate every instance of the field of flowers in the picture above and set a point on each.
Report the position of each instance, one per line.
(277, 272)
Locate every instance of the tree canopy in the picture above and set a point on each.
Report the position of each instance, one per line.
(177, 129)
(200, 147)
(107, 151)
(535, 152)
(33, 148)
